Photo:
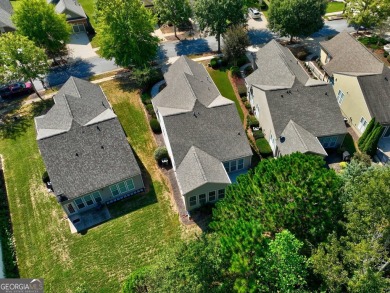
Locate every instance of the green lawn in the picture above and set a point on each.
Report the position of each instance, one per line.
(89, 10)
(15, 4)
(222, 82)
(334, 7)
(141, 228)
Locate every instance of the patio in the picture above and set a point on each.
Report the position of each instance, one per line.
(93, 217)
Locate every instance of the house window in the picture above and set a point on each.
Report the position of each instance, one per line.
(114, 190)
(272, 142)
(387, 132)
(240, 164)
(122, 187)
(130, 184)
(212, 196)
(329, 142)
(340, 97)
(227, 166)
(362, 125)
(70, 208)
(202, 199)
(97, 197)
(88, 200)
(192, 201)
(233, 166)
(221, 193)
(80, 204)
(327, 59)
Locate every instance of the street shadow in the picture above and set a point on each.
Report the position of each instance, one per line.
(188, 47)
(258, 37)
(80, 68)
(324, 32)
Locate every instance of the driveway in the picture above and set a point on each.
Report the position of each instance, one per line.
(80, 47)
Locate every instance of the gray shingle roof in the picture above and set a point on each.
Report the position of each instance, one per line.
(199, 168)
(350, 56)
(70, 5)
(5, 14)
(198, 119)
(376, 90)
(83, 153)
(298, 139)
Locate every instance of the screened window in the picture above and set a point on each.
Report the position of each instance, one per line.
(233, 166)
(80, 204)
(114, 190)
(97, 197)
(202, 199)
(227, 166)
(88, 200)
(212, 196)
(362, 125)
(221, 193)
(387, 133)
(192, 201)
(130, 184)
(340, 97)
(240, 164)
(122, 187)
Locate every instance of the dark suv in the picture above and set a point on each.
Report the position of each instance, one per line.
(15, 89)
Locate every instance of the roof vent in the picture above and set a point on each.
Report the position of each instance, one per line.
(195, 115)
(102, 147)
(282, 139)
(326, 93)
(239, 133)
(98, 128)
(281, 96)
(77, 154)
(386, 78)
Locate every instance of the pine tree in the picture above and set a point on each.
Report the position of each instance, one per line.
(372, 144)
(366, 133)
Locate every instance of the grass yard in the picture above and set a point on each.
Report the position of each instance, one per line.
(88, 7)
(15, 4)
(222, 82)
(334, 7)
(100, 260)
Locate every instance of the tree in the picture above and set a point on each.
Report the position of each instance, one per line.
(367, 13)
(296, 17)
(21, 59)
(175, 11)
(218, 15)
(371, 144)
(235, 42)
(124, 31)
(357, 259)
(37, 20)
(366, 133)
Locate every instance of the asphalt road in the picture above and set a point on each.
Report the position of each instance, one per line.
(87, 67)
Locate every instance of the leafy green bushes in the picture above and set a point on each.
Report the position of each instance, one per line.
(150, 110)
(235, 70)
(258, 134)
(146, 98)
(374, 42)
(155, 125)
(146, 77)
(368, 142)
(252, 121)
(161, 153)
(264, 147)
(214, 63)
(45, 177)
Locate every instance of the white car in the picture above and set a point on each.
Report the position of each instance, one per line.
(254, 13)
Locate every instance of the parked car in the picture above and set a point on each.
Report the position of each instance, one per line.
(15, 89)
(254, 13)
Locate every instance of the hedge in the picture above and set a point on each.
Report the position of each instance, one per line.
(161, 153)
(252, 121)
(264, 147)
(235, 70)
(214, 63)
(258, 134)
(155, 125)
(150, 110)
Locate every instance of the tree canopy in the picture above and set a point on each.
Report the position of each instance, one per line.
(175, 11)
(357, 259)
(296, 18)
(124, 32)
(21, 59)
(37, 20)
(367, 13)
(235, 42)
(218, 15)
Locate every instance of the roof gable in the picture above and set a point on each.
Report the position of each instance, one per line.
(71, 8)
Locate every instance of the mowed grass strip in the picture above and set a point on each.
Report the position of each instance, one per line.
(101, 259)
(335, 7)
(222, 82)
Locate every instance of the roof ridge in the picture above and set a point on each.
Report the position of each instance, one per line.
(360, 44)
(199, 163)
(67, 106)
(75, 85)
(189, 85)
(188, 66)
(299, 135)
(283, 59)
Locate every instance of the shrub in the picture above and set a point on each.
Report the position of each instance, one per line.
(301, 55)
(214, 63)
(161, 153)
(235, 70)
(146, 77)
(258, 134)
(150, 110)
(264, 148)
(155, 125)
(244, 99)
(388, 58)
(45, 177)
(343, 165)
(242, 61)
(252, 121)
(248, 105)
(146, 98)
(385, 54)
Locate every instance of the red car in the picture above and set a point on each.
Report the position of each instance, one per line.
(15, 89)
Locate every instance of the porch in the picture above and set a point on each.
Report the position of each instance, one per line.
(88, 219)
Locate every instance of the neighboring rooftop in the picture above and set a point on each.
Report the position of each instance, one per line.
(348, 55)
(376, 90)
(71, 8)
(5, 15)
(82, 142)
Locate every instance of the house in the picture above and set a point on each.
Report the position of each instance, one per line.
(6, 11)
(295, 111)
(74, 12)
(85, 150)
(361, 83)
(202, 132)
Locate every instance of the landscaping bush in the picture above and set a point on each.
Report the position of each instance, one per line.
(264, 148)
(235, 70)
(252, 121)
(388, 58)
(241, 88)
(146, 98)
(155, 125)
(244, 99)
(214, 63)
(45, 177)
(248, 105)
(146, 77)
(385, 54)
(242, 61)
(149, 108)
(258, 134)
(161, 153)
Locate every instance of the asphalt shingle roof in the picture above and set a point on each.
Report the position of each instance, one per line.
(83, 150)
(70, 5)
(350, 56)
(376, 90)
(298, 139)
(5, 14)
